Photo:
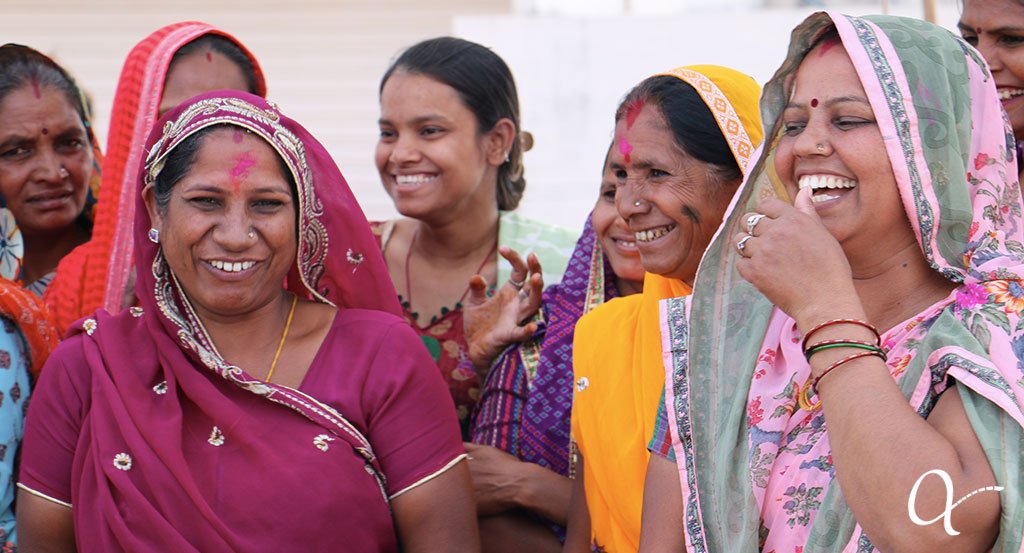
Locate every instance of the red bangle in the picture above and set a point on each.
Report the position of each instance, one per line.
(804, 397)
(869, 326)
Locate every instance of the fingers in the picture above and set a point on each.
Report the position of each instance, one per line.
(773, 207)
(803, 203)
(534, 263)
(477, 290)
(530, 297)
(519, 267)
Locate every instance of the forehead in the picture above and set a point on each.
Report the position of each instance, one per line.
(415, 95)
(30, 107)
(827, 71)
(223, 146)
(989, 14)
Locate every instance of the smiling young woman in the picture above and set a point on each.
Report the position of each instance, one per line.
(450, 155)
(267, 342)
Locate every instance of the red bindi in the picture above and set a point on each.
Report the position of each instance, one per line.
(241, 170)
(625, 148)
(827, 45)
(209, 57)
(814, 102)
(632, 112)
(46, 131)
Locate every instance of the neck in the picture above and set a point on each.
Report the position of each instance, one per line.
(459, 237)
(898, 287)
(43, 251)
(235, 335)
(628, 287)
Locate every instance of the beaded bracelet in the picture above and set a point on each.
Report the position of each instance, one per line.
(831, 344)
(804, 397)
(869, 326)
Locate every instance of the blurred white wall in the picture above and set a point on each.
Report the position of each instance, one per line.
(572, 71)
(573, 60)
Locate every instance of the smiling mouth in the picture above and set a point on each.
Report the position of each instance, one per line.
(411, 180)
(821, 185)
(1009, 93)
(231, 266)
(653, 233)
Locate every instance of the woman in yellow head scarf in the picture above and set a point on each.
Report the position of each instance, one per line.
(682, 142)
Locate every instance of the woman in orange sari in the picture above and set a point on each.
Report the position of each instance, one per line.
(169, 66)
(682, 141)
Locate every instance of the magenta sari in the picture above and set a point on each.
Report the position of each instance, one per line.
(161, 444)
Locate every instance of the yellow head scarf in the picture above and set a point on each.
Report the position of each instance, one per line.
(618, 367)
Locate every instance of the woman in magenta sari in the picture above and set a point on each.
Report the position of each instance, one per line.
(229, 412)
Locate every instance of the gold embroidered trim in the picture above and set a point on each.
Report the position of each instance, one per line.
(429, 477)
(43, 495)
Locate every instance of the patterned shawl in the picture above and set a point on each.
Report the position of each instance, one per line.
(952, 153)
(96, 274)
(337, 263)
(531, 382)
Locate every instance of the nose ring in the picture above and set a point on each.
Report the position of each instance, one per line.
(252, 234)
(636, 203)
(821, 148)
(63, 172)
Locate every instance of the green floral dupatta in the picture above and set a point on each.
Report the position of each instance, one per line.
(953, 157)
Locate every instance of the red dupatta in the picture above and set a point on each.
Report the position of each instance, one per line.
(96, 274)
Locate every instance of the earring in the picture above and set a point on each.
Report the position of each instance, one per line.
(154, 236)
(507, 158)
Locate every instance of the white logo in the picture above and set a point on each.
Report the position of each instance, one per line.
(944, 515)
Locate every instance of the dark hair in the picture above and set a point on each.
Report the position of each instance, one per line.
(694, 127)
(179, 162)
(22, 66)
(226, 47)
(485, 85)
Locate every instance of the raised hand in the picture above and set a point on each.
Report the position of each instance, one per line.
(791, 257)
(492, 323)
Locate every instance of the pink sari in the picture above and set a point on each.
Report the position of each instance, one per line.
(756, 471)
(161, 444)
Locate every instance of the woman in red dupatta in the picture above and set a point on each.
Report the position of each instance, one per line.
(98, 273)
(163, 426)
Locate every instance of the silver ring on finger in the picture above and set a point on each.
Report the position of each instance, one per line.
(518, 284)
(523, 294)
(741, 246)
(752, 222)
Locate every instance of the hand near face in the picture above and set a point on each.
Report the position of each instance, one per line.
(792, 258)
(492, 323)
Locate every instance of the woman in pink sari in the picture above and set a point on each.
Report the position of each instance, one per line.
(851, 363)
(229, 412)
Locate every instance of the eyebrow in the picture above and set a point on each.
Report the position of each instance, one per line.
(833, 101)
(417, 121)
(997, 30)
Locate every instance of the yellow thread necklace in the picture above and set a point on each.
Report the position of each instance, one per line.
(284, 336)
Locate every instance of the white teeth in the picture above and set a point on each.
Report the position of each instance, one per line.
(818, 198)
(819, 182)
(232, 267)
(651, 234)
(413, 179)
(1007, 93)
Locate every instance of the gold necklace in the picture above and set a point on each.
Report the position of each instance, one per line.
(284, 336)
